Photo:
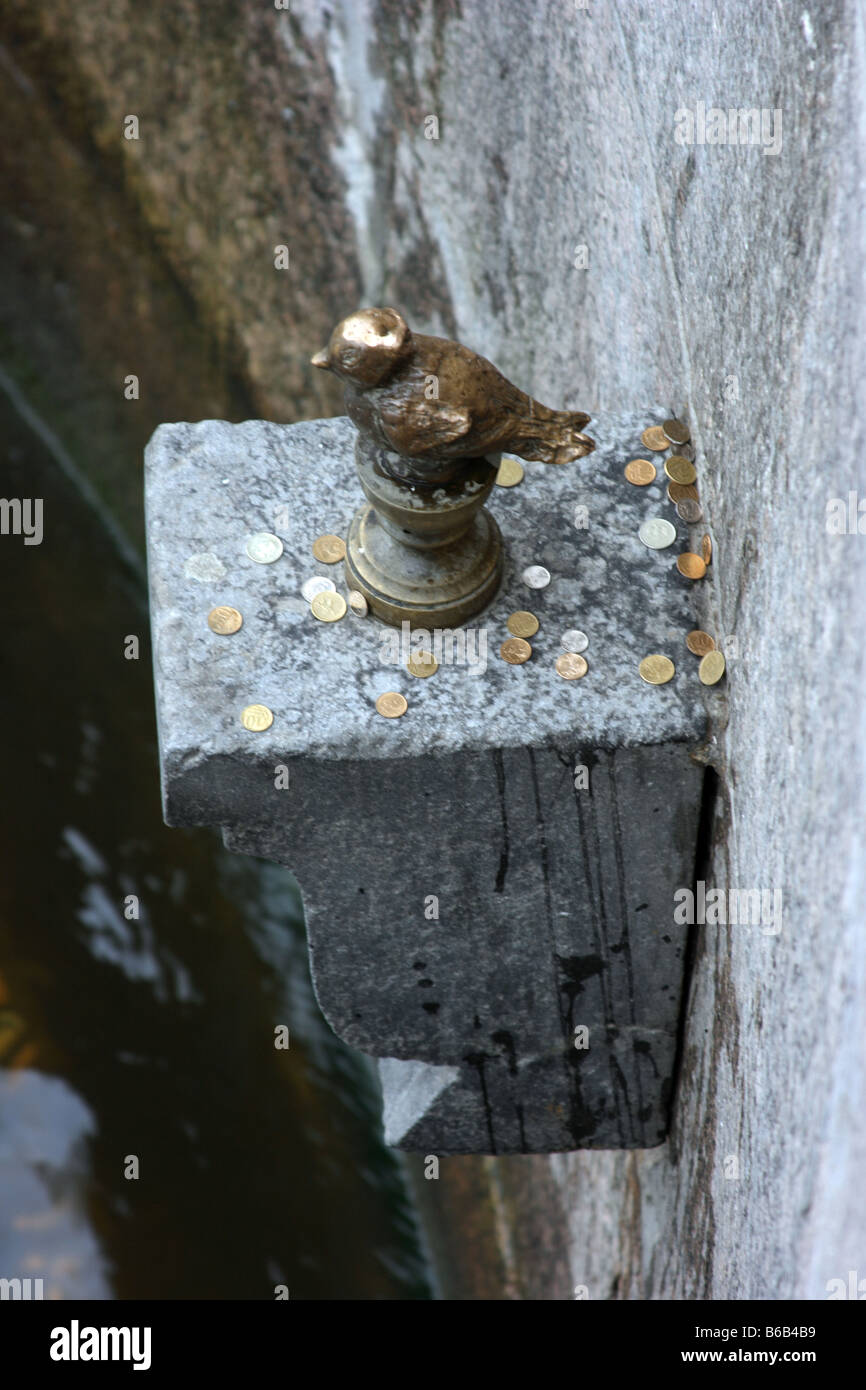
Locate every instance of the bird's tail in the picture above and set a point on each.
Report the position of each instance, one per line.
(554, 436)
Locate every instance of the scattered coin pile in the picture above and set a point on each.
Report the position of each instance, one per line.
(325, 604)
(679, 468)
(712, 666)
(516, 650)
(658, 533)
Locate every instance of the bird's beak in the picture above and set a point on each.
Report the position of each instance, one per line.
(321, 359)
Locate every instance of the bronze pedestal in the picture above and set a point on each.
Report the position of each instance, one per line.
(428, 556)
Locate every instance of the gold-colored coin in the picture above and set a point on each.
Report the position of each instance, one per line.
(510, 473)
(571, 666)
(392, 704)
(656, 669)
(328, 607)
(257, 718)
(224, 620)
(700, 642)
(653, 437)
(640, 472)
(522, 623)
(691, 566)
(329, 549)
(676, 431)
(515, 651)
(422, 664)
(358, 603)
(712, 668)
(682, 492)
(680, 470)
(706, 550)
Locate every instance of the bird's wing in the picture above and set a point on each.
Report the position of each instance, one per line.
(415, 426)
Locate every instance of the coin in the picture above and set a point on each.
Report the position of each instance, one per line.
(224, 620)
(712, 668)
(706, 550)
(700, 642)
(536, 576)
(264, 547)
(676, 431)
(392, 705)
(510, 473)
(317, 584)
(657, 533)
(692, 566)
(328, 607)
(515, 651)
(654, 438)
(571, 666)
(689, 510)
(329, 549)
(680, 492)
(358, 603)
(574, 640)
(422, 664)
(640, 472)
(257, 718)
(679, 469)
(522, 624)
(656, 669)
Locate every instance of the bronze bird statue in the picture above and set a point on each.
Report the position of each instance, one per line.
(434, 401)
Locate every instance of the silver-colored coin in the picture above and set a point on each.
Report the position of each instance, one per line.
(316, 584)
(264, 547)
(536, 576)
(657, 533)
(689, 510)
(574, 640)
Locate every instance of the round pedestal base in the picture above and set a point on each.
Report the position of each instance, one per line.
(427, 588)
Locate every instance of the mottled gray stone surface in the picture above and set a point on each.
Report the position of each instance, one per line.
(553, 902)
(212, 484)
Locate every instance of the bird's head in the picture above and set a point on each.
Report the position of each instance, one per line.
(366, 347)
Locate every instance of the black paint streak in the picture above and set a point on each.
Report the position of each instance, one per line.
(580, 1122)
(519, 1110)
(643, 1047)
(505, 850)
(599, 917)
(573, 971)
(477, 1060)
(623, 907)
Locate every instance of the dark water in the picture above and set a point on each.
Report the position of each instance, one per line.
(155, 1038)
